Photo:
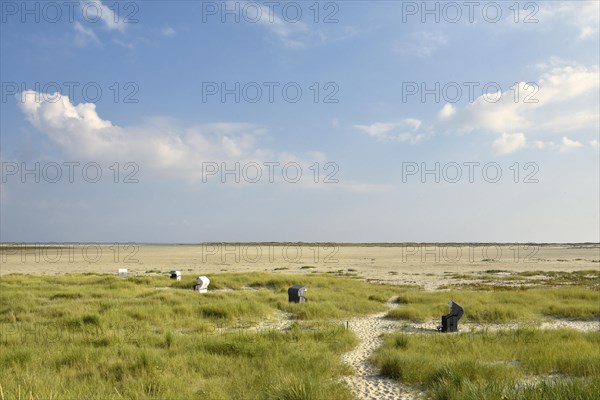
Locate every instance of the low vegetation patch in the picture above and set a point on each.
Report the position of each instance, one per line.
(501, 305)
(523, 363)
(507, 364)
(148, 337)
(494, 278)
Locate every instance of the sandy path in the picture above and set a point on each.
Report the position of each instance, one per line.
(367, 383)
(472, 327)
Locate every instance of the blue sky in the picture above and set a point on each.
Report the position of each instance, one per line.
(361, 120)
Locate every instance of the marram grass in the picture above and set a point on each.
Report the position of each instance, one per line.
(507, 364)
(87, 336)
(571, 302)
(101, 337)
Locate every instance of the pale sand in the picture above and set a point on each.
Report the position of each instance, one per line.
(427, 266)
(367, 383)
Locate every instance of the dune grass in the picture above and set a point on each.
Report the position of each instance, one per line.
(329, 297)
(103, 337)
(149, 337)
(505, 304)
(481, 363)
(523, 363)
(169, 365)
(507, 280)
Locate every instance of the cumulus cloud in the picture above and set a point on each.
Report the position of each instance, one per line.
(160, 145)
(563, 100)
(565, 83)
(558, 102)
(568, 144)
(407, 130)
(577, 120)
(486, 113)
(595, 144)
(509, 143)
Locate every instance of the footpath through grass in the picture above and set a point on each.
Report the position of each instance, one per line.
(498, 364)
(512, 364)
(101, 337)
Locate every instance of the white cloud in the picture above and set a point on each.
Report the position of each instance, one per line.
(160, 147)
(124, 44)
(554, 103)
(568, 82)
(291, 35)
(568, 144)
(407, 130)
(595, 144)
(587, 32)
(565, 145)
(414, 123)
(93, 9)
(411, 138)
(552, 62)
(292, 32)
(509, 143)
(84, 36)
(81, 132)
(447, 111)
(168, 31)
(582, 119)
(377, 129)
(582, 16)
(540, 145)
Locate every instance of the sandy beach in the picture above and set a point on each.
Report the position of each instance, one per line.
(429, 266)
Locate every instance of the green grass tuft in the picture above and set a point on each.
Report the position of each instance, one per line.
(149, 337)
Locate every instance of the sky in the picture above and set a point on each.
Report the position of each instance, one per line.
(347, 121)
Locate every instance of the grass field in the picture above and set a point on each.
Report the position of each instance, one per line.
(521, 363)
(94, 336)
(102, 337)
(510, 304)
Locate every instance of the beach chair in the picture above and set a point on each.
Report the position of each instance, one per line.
(450, 320)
